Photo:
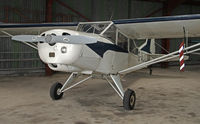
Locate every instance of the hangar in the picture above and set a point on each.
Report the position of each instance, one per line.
(166, 96)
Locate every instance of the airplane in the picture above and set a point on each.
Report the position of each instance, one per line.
(105, 48)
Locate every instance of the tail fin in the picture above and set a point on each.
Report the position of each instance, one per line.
(148, 46)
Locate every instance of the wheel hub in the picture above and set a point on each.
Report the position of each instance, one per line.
(58, 91)
(132, 100)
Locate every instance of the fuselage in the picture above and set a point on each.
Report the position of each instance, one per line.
(102, 57)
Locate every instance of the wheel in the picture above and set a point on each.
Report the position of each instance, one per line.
(129, 99)
(55, 91)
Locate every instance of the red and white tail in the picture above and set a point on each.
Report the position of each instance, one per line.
(181, 56)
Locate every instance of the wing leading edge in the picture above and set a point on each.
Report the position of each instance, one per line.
(34, 29)
(140, 28)
(160, 27)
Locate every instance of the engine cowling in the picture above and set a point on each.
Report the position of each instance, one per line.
(59, 53)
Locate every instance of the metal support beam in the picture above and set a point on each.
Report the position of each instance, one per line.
(154, 12)
(73, 10)
(165, 42)
(168, 7)
(49, 5)
(192, 2)
(166, 46)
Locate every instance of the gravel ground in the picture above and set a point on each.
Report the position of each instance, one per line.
(166, 97)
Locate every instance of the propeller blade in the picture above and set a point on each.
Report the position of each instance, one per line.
(28, 38)
(71, 39)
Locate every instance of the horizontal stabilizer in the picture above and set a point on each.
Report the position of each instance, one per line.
(72, 39)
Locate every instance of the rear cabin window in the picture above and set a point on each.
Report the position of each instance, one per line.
(133, 48)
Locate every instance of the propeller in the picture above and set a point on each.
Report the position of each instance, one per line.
(70, 39)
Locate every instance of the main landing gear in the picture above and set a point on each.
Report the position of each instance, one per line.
(55, 91)
(128, 97)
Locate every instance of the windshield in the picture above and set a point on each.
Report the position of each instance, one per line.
(96, 28)
(109, 31)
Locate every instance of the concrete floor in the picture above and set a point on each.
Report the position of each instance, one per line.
(166, 97)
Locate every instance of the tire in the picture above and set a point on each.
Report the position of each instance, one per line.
(54, 94)
(129, 99)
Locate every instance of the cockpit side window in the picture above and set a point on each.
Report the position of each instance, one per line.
(122, 41)
(111, 34)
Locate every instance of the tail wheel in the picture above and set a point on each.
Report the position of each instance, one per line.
(129, 99)
(55, 91)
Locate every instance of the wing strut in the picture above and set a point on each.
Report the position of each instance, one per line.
(160, 59)
(29, 44)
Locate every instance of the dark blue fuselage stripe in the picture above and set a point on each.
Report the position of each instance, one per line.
(157, 19)
(100, 48)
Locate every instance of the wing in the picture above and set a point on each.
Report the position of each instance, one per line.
(34, 29)
(141, 28)
(160, 27)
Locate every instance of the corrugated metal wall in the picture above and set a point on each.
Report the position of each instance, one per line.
(15, 57)
(23, 11)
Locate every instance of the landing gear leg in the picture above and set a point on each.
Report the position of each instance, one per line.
(57, 89)
(128, 97)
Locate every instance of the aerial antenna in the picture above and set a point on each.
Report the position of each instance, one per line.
(111, 16)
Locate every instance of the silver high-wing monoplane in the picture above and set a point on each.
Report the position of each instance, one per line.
(107, 48)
